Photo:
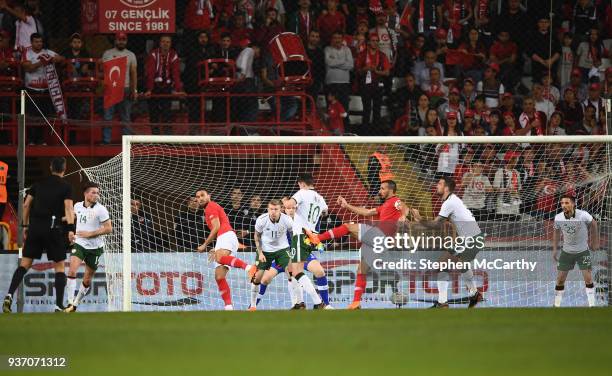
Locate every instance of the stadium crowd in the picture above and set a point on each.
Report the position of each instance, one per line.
(422, 67)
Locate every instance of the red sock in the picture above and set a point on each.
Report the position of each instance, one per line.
(224, 289)
(334, 233)
(233, 262)
(360, 286)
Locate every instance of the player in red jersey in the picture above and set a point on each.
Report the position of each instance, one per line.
(386, 216)
(226, 243)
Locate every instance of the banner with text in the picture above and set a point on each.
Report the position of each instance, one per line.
(137, 16)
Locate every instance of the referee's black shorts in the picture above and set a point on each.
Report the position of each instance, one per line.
(42, 239)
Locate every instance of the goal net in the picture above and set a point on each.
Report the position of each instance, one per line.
(512, 185)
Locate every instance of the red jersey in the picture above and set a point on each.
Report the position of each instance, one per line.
(336, 115)
(329, 23)
(389, 210)
(212, 211)
(503, 50)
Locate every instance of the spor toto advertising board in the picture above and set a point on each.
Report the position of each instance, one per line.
(136, 16)
(184, 281)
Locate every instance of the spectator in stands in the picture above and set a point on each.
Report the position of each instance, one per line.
(608, 84)
(421, 69)
(406, 99)
(590, 54)
(441, 45)
(571, 110)
(549, 90)
(125, 106)
(531, 121)
(555, 125)
(239, 31)
(7, 56)
(262, 8)
(589, 121)
(529, 177)
(468, 93)
(566, 61)
(143, 233)
(507, 184)
(435, 89)
(584, 18)
(199, 16)
(432, 120)
(201, 51)
(303, 21)
(451, 127)
(33, 62)
(469, 122)
(484, 17)
(594, 99)
(508, 104)
(246, 108)
(448, 158)
(388, 37)
(235, 209)
(475, 56)
(189, 226)
(542, 104)
(457, 14)
(491, 87)
(476, 185)
(427, 17)
(372, 67)
(510, 124)
(576, 84)
(270, 28)
(495, 126)
(77, 51)
(317, 57)
(331, 22)
(481, 110)
(504, 52)
(162, 77)
(453, 104)
(516, 21)
(338, 66)
(335, 115)
(543, 49)
(359, 41)
(27, 23)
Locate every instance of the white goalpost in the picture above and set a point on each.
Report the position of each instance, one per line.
(512, 184)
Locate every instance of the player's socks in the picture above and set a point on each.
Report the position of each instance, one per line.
(334, 233)
(60, 287)
(70, 288)
(559, 290)
(590, 292)
(442, 287)
(360, 285)
(323, 288)
(17, 278)
(83, 290)
(292, 292)
(262, 291)
(233, 262)
(254, 290)
(298, 290)
(307, 285)
(224, 289)
(468, 278)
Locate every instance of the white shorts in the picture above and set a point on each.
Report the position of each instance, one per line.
(367, 234)
(227, 241)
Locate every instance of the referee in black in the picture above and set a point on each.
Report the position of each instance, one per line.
(47, 203)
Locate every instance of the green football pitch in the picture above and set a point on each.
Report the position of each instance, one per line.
(372, 342)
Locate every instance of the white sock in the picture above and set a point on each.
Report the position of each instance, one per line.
(307, 285)
(590, 291)
(70, 289)
(442, 287)
(468, 278)
(229, 307)
(80, 295)
(558, 297)
(254, 292)
(292, 292)
(297, 290)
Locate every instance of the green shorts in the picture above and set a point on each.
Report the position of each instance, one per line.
(282, 258)
(301, 248)
(90, 256)
(568, 260)
(469, 253)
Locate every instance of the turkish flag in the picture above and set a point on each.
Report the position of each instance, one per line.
(114, 80)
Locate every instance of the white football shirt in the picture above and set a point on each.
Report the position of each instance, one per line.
(273, 235)
(90, 219)
(310, 206)
(455, 211)
(575, 231)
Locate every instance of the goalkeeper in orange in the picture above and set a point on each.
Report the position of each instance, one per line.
(386, 218)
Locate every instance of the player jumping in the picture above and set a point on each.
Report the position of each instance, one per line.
(388, 214)
(309, 207)
(92, 223)
(226, 244)
(455, 211)
(580, 234)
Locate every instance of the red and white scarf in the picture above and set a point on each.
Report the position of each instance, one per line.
(55, 90)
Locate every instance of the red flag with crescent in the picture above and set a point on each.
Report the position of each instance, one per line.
(114, 80)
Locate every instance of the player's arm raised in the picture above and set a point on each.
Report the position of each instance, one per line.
(437, 223)
(356, 209)
(216, 225)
